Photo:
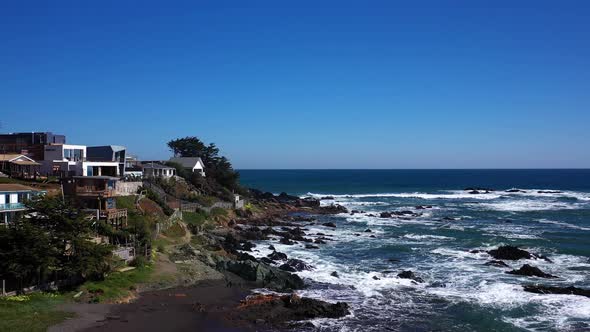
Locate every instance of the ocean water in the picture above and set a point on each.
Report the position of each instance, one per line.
(460, 293)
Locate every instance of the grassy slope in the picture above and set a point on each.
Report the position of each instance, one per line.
(35, 312)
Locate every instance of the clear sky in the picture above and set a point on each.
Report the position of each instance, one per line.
(307, 84)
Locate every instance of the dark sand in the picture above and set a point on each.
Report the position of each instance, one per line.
(203, 307)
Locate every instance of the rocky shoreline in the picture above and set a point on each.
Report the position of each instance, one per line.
(228, 303)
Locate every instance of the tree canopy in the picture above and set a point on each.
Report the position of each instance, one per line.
(217, 167)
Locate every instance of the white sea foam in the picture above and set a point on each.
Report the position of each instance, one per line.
(525, 205)
(564, 224)
(427, 236)
(447, 195)
(461, 194)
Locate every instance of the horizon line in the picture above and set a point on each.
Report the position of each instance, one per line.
(410, 169)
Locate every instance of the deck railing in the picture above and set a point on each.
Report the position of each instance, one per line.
(12, 206)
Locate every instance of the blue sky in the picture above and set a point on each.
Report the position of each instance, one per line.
(318, 84)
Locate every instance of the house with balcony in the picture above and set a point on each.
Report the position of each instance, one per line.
(96, 195)
(109, 153)
(192, 164)
(19, 166)
(12, 198)
(66, 160)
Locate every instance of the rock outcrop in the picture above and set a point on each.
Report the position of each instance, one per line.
(531, 271)
(571, 290)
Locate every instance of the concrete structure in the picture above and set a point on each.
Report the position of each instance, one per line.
(19, 166)
(108, 153)
(29, 144)
(193, 164)
(12, 196)
(66, 160)
(152, 170)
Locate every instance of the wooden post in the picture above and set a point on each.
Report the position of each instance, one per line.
(3, 287)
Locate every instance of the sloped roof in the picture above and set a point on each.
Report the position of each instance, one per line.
(156, 166)
(12, 156)
(15, 187)
(187, 162)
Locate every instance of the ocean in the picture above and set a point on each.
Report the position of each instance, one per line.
(445, 246)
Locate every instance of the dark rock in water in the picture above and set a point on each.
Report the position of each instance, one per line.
(510, 253)
(271, 247)
(286, 241)
(327, 197)
(571, 290)
(475, 251)
(549, 192)
(329, 224)
(409, 275)
(335, 274)
(531, 271)
(376, 278)
(496, 263)
(385, 215)
(247, 246)
(294, 265)
(311, 246)
(422, 207)
(474, 192)
(242, 256)
(486, 190)
(393, 260)
(277, 256)
(262, 274)
(353, 212)
(449, 219)
(265, 260)
(319, 241)
(279, 309)
(333, 209)
(515, 191)
(373, 236)
(368, 230)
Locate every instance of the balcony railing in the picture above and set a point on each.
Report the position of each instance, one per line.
(12, 206)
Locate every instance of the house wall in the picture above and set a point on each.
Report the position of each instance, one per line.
(127, 188)
(101, 164)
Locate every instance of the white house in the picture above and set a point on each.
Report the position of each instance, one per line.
(12, 196)
(70, 160)
(158, 170)
(193, 164)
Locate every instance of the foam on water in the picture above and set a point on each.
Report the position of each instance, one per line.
(564, 224)
(440, 252)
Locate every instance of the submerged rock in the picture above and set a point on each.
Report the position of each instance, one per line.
(409, 275)
(571, 290)
(335, 274)
(531, 271)
(329, 224)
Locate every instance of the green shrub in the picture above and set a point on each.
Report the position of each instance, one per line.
(217, 211)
